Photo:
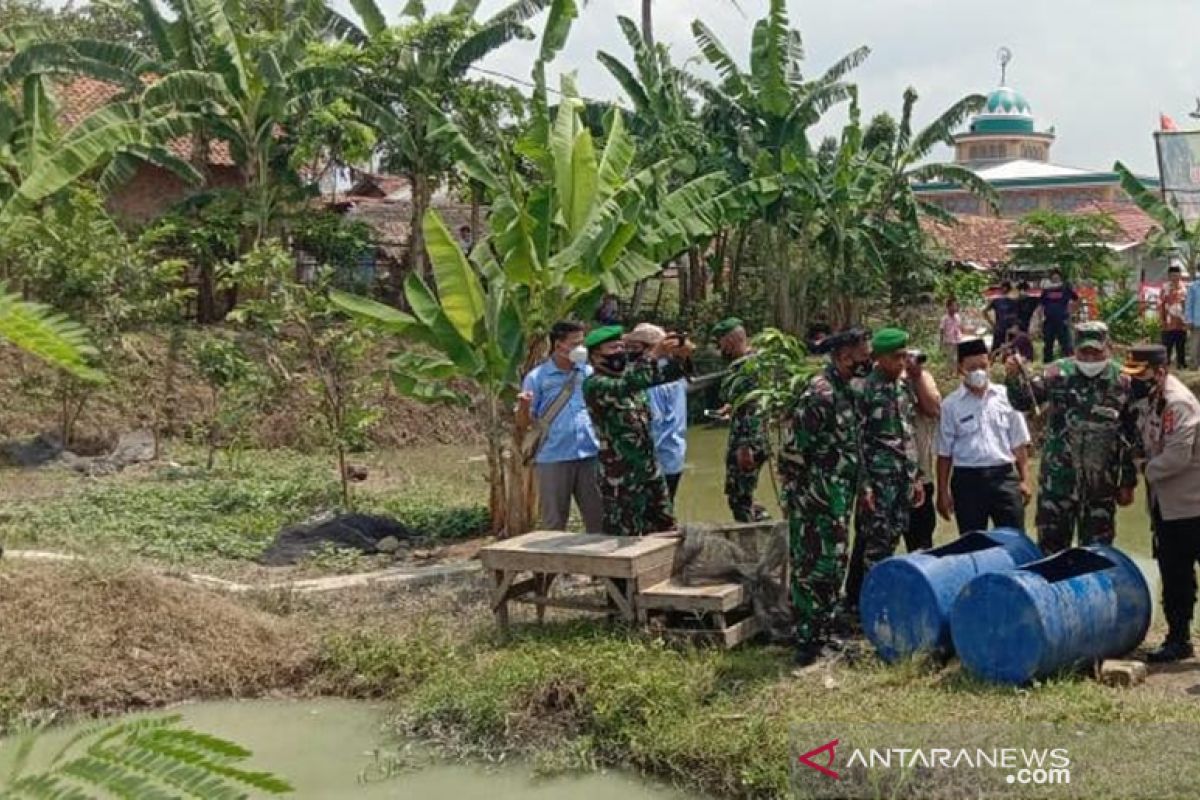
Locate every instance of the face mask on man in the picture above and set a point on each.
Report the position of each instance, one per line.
(578, 355)
(1090, 369)
(976, 378)
(1142, 388)
(861, 369)
(615, 362)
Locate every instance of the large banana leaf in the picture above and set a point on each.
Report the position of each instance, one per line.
(769, 65)
(384, 317)
(51, 337)
(458, 285)
(733, 82)
(443, 335)
(210, 17)
(581, 194)
(373, 21)
(619, 152)
(1150, 202)
(558, 26)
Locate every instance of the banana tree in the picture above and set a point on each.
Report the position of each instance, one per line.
(425, 61)
(762, 117)
(39, 157)
(1175, 232)
(465, 344)
(568, 223)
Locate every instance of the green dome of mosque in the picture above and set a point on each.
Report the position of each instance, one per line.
(1006, 111)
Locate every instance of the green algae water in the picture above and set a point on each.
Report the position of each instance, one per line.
(330, 749)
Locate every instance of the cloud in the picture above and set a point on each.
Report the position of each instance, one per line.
(1100, 71)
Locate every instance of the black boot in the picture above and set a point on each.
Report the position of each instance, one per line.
(1172, 650)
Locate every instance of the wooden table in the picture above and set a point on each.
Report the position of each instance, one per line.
(624, 565)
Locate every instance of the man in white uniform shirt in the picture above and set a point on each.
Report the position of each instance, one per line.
(985, 441)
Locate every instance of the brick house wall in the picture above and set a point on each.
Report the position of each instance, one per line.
(152, 191)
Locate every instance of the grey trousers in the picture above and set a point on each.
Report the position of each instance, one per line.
(562, 480)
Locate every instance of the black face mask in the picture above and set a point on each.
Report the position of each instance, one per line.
(615, 362)
(1142, 388)
(861, 369)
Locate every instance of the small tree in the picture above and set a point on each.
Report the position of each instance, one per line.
(309, 341)
(229, 375)
(1077, 244)
(73, 257)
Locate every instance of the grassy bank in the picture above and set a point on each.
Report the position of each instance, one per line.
(179, 513)
(570, 694)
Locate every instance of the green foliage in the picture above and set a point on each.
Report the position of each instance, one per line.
(335, 242)
(36, 330)
(181, 514)
(72, 256)
(965, 286)
(330, 351)
(1121, 311)
(1175, 232)
(235, 389)
(1075, 243)
(434, 514)
(142, 758)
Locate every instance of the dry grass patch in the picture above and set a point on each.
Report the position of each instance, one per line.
(103, 639)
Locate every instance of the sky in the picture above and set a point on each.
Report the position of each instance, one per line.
(1100, 71)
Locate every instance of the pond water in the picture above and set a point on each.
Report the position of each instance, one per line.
(327, 749)
(701, 495)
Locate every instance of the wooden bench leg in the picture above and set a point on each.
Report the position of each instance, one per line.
(544, 582)
(504, 579)
(618, 595)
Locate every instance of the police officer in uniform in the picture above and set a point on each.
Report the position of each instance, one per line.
(1169, 422)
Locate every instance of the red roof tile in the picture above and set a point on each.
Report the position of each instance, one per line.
(1134, 223)
(80, 96)
(982, 240)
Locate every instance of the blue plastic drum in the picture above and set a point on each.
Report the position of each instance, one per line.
(906, 600)
(1062, 612)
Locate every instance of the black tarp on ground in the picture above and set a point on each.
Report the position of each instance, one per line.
(362, 532)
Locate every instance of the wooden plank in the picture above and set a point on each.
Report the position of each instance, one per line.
(578, 604)
(672, 596)
(578, 554)
(618, 595)
(728, 638)
(500, 603)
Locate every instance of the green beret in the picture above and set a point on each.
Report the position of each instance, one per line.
(598, 336)
(726, 326)
(1091, 333)
(888, 340)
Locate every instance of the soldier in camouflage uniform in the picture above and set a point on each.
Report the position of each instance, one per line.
(891, 483)
(747, 450)
(1091, 432)
(819, 468)
(636, 501)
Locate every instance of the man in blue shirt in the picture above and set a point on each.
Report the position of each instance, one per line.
(1191, 313)
(668, 409)
(1058, 302)
(566, 458)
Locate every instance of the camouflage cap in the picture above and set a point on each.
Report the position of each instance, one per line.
(888, 340)
(602, 335)
(726, 327)
(1093, 335)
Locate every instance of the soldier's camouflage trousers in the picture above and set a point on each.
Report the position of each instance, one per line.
(635, 509)
(876, 533)
(1060, 517)
(1072, 501)
(740, 486)
(817, 541)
